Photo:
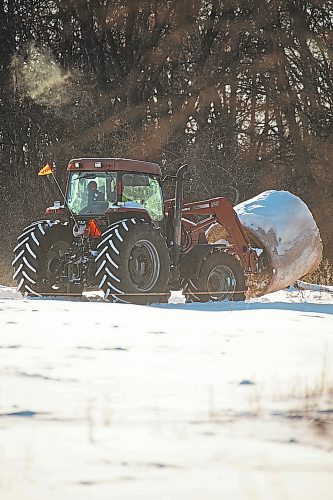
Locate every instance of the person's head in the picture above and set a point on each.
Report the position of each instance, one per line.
(92, 186)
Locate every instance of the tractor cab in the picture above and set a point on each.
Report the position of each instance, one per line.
(99, 186)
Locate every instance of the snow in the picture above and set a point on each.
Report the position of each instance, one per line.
(133, 204)
(176, 401)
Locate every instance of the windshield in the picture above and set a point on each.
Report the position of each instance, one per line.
(91, 193)
(143, 190)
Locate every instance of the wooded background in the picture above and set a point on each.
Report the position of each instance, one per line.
(240, 90)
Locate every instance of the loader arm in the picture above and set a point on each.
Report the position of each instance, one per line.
(218, 210)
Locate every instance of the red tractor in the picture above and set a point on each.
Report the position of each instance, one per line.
(114, 232)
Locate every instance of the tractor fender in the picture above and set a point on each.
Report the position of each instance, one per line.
(128, 212)
(190, 263)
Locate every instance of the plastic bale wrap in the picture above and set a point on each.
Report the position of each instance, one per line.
(282, 225)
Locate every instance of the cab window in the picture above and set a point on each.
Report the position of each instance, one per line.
(91, 192)
(145, 191)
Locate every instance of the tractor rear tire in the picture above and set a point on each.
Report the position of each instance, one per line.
(221, 278)
(133, 263)
(36, 257)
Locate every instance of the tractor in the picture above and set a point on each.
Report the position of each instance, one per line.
(115, 232)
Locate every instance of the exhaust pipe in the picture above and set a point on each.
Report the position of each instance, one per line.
(178, 213)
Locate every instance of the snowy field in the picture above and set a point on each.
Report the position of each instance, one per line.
(185, 402)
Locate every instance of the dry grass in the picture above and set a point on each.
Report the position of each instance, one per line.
(323, 275)
(312, 399)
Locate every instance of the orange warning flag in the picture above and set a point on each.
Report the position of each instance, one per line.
(47, 170)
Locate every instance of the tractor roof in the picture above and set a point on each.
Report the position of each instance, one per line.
(114, 164)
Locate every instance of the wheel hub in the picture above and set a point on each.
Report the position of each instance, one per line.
(144, 265)
(221, 283)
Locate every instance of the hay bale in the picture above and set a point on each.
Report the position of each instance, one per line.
(282, 225)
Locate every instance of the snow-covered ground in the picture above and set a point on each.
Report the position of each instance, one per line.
(185, 402)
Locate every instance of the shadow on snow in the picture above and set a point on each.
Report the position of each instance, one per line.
(306, 307)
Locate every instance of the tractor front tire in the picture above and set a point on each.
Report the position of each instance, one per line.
(221, 278)
(133, 263)
(37, 255)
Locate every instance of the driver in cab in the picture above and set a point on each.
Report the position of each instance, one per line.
(93, 193)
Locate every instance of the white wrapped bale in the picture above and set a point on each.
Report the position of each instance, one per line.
(284, 227)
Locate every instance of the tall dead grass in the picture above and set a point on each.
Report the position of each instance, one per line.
(323, 275)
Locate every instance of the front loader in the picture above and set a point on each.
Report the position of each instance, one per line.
(114, 232)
